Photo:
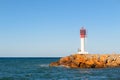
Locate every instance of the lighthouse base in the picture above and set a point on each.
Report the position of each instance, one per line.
(82, 52)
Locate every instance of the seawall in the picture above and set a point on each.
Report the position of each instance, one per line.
(89, 61)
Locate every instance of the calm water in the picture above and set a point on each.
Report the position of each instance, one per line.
(38, 69)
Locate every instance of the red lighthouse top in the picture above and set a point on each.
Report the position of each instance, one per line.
(82, 32)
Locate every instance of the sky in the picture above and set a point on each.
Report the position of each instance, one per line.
(50, 28)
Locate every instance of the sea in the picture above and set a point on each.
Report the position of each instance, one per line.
(38, 69)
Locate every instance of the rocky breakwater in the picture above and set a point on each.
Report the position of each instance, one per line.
(89, 61)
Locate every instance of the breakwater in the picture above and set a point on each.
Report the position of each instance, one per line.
(89, 61)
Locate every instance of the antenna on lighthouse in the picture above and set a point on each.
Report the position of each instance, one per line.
(82, 38)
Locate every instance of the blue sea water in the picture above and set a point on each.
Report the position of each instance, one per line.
(38, 69)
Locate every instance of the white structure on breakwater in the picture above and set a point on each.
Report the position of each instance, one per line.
(82, 36)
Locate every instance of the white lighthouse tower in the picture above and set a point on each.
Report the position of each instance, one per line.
(82, 36)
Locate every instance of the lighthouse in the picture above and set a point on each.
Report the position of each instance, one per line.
(82, 38)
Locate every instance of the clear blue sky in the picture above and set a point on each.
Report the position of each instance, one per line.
(46, 28)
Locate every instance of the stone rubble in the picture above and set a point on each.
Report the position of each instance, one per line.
(89, 61)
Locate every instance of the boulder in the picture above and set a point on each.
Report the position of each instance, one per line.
(73, 65)
(54, 64)
(64, 60)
